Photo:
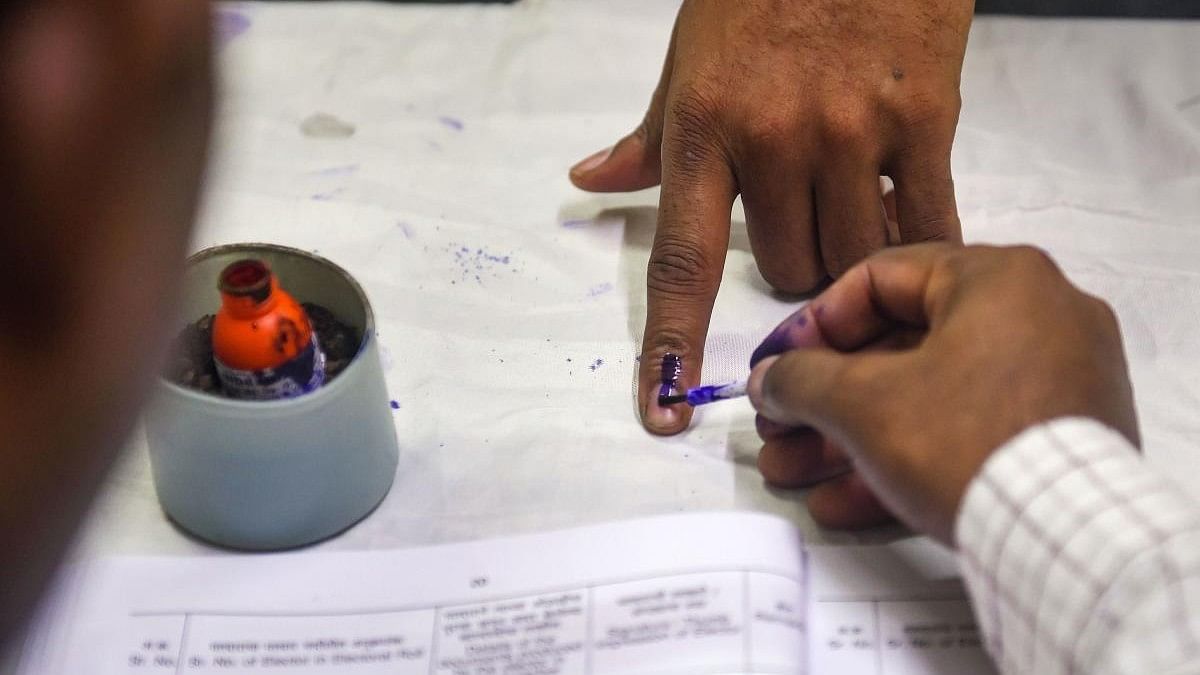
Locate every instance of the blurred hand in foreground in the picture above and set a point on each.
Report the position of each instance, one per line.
(104, 117)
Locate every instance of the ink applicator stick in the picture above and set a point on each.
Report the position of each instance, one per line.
(669, 393)
(707, 394)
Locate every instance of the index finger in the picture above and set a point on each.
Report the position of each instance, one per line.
(686, 262)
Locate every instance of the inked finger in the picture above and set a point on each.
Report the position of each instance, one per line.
(687, 258)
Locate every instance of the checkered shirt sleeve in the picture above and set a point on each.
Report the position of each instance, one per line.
(1079, 558)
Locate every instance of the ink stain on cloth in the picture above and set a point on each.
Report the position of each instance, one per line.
(327, 196)
(478, 264)
(600, 289)
(337, 171)
(324, 125)
(451, 123)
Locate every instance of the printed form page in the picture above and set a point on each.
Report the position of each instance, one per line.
(898, 609)
(702, 593)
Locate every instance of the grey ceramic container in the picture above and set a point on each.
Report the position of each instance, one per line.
(268, 475)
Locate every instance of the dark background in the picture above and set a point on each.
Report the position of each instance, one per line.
(1160, 9)
(1144, 8)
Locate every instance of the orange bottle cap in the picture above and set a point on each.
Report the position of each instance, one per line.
(259, 325)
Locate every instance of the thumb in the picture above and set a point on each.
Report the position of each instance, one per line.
(831, 391)
(632, 164)
(635, 162)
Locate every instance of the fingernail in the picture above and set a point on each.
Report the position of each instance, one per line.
(661, 419)
(592, 162)
(755, 385)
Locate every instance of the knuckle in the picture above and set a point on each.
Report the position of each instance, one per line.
(838, 265)
(847, 127)
(680, 266)
(952, 267)
(766, 129)
(694, 119)
(840, 258)
(926, 110)
(1032, 259)
(1105, 315)
(642, 132)
(650, 129)
(926, 225)
(931, 228)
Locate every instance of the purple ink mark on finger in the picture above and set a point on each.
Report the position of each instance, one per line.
(672, 367)
(451, 122)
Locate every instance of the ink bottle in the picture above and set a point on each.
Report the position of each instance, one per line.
(263, 343)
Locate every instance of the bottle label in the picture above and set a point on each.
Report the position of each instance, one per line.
(301, 375)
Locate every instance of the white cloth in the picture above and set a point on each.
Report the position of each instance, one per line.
(1077, 136)
(1080, 558)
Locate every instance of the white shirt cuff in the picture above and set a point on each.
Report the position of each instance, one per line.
(1078, 557)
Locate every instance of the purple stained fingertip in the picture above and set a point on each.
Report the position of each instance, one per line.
(672, 366)
(780, 339)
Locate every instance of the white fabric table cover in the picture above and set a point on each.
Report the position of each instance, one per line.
(511, 305)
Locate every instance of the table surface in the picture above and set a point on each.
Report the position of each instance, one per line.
(425, 149)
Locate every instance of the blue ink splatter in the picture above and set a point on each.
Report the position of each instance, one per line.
(395, 405)
(599, 289)
(576, 223)
(479, 263)
(230, 24)
(451, 122)
(327, 196)
(334, 171)
(596, 365)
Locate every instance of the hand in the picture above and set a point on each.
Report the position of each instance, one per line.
(903, 377)
(799, 106)
(104, 117)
